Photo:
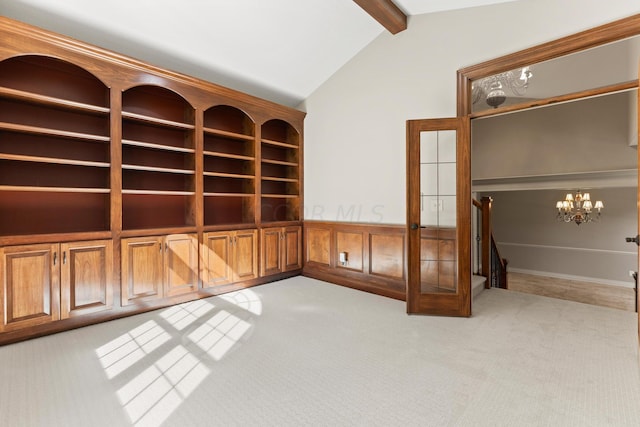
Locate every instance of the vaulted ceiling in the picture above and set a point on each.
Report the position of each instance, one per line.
(276, 49)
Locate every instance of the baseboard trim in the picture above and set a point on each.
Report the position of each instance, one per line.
(371, 286)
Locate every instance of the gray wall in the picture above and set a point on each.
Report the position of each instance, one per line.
(532, 240)
(580, 137)
(584, 136)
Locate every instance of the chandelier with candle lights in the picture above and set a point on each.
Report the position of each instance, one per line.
(578, 208)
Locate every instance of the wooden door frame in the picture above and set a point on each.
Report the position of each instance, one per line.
(594, 37)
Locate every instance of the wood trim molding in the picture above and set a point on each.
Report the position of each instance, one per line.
(77, 47)
(573, 43)
(561, 99)
(376, 256)
(587, 39)
(386, 12)
(121, 72)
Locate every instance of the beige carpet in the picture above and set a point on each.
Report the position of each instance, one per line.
(302, 352)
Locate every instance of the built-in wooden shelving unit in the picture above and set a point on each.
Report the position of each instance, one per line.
(129, 166)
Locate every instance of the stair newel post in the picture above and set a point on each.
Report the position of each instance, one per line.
(486, 239)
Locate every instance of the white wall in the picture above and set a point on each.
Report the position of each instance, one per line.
(355, 128)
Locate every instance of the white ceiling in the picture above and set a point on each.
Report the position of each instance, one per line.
(277, 49)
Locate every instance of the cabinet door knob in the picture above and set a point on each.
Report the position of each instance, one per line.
(64, 257)
(55, 257)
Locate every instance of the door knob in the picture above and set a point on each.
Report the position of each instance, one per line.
(414, 226)
(635, 240)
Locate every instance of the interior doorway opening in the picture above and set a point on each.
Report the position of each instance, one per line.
(528, 160)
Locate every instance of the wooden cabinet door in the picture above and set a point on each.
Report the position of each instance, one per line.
(217, 259)
(180, 264)
(86, 272)
(30, 292)
(245, 255)
(271, 262)
(292, 256)
(142, 271)
(281, 250)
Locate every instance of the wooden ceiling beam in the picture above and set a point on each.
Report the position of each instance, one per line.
(386, 13)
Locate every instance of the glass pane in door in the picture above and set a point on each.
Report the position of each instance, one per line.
(438, 266)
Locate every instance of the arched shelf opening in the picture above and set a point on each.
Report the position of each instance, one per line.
(52, 79)
(229, 166)
(158, 159)
(280, 172)
(54, 148)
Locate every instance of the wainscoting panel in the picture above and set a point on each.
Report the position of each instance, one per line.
(350, 243)
(318, 248)
(376, 256)
(387, 255)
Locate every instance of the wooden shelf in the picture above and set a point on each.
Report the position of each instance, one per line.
(53, 237)
(228, 155)
(279, 144)
(229, 194)
(280, 196)
(157, 146)
(274, 178)
(279, 162)
(155, 121)
(51, 101)
(158, 169)
(54, 189)
(58, 161)
(228, 175)
(137, 232)
(52, 132)
(159, 192)
(227, 134)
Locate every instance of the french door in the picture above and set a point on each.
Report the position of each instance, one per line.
(439, 217)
